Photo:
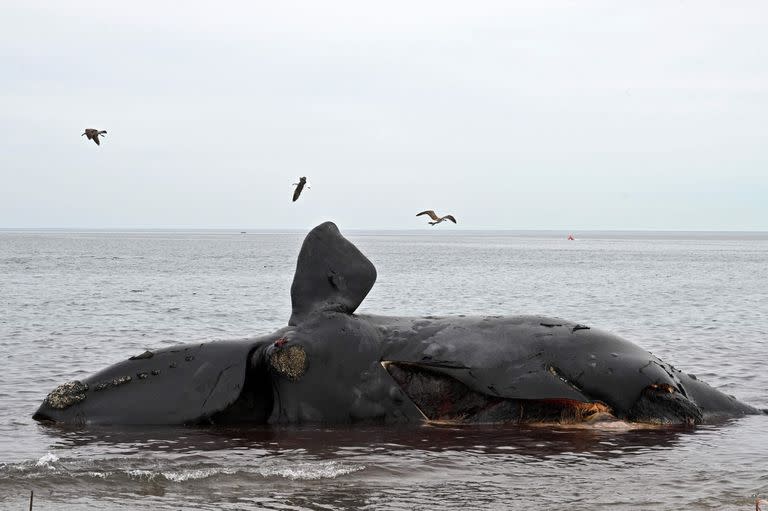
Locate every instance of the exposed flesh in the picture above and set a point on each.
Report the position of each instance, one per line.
(443, 399)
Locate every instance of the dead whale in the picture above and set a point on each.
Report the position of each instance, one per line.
(330, 365)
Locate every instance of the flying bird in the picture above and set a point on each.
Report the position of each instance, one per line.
(437, 219)
(299, 187)
(94, 134)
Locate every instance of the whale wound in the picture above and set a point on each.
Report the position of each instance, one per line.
(445, 400)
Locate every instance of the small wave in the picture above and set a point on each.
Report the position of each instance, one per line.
(99, 475)
(311, 471)
(174, 476)
(144, 475)
(295, 471)
(47, 460)
(30, 469)
(305, 471)
(191, 475)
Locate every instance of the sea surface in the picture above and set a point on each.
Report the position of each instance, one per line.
(72, 303)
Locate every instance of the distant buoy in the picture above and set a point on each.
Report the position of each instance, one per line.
(570, 237)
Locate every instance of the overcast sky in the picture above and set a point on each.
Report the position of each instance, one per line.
(510, 115)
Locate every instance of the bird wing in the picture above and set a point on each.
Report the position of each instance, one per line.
(450, 217)
(429, 212)
(297, 191)
(96, 139)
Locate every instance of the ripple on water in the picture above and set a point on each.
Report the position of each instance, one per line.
(51, 468)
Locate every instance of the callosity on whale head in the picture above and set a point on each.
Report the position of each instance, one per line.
(334, 366)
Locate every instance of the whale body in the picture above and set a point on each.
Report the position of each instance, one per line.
(330, 365)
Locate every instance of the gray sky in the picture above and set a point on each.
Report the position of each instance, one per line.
(519, 115)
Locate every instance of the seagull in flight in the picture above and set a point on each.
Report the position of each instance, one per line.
(437, 219)
(94, 134)
(299, 187)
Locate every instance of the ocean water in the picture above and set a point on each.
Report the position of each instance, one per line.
(72, 303)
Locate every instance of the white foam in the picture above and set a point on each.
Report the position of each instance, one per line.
(173, 476)
(293, 471)
(191, 475)
(142, 474)
(100, 475)
(47, 460)
(311, 471)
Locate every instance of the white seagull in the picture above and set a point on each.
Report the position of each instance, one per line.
(437, 219)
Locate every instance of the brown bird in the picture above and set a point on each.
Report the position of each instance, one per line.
(437, 219)
(94, 134)
(299, 187)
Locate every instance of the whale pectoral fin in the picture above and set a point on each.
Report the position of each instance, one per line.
(522, 381)
(331, 274)
(442, 398)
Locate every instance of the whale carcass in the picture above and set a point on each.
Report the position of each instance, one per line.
(330, 365)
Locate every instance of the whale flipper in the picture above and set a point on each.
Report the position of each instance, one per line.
(331, 274)
(184, 384)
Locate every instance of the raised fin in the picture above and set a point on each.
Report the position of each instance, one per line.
(331, 274)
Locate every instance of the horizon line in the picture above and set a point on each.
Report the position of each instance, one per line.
(411, 229)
